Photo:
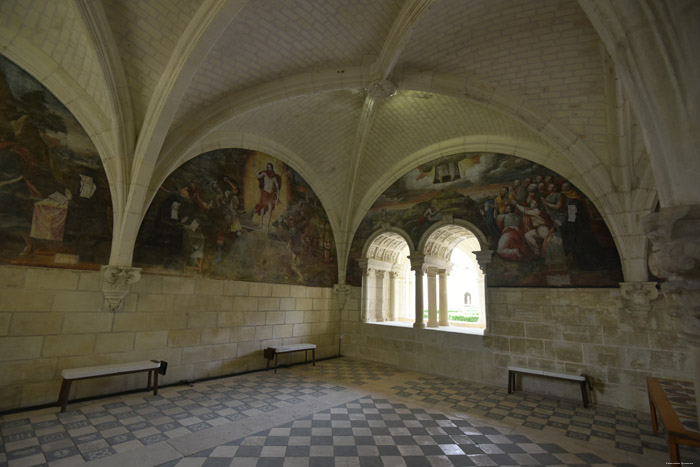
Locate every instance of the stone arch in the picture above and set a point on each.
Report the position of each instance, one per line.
(480, 236)
(454, 253)
(386, 279)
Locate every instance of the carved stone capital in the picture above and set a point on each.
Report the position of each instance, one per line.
(115, 282)
(637, 298)
(381, 88)
(417, 262)
(675, 256)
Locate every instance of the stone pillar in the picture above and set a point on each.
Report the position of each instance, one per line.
(432, 298)
(442, 278)
(364, 301)
(675, 256)
(417, 265)
(391, 301)
(115, 282)
(379, 297)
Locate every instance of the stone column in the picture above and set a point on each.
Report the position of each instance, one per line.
(432, 298)
(675, 256)
(379, 297)
(417, 265)
(364, 301)
(391, 301)
(442, 278)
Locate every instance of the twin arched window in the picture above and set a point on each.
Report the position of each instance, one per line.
(439, 286)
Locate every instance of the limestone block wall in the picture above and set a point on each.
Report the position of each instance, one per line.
(572, 330)
(51, 319)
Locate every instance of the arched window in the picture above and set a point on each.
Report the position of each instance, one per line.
(387, 280)
(447, 272)
(453, 275)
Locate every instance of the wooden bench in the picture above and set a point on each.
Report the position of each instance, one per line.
(272, 352)
(583, 379)
(674, 401)
(153, 367)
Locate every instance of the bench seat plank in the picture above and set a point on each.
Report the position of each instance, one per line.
(103, 370)
(272, 352)
(153, 367)
(552, 374)
(583, 379)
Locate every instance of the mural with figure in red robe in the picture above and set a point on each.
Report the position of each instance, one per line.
(241, 215)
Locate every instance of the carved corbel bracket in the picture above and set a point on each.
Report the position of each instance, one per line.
(675, 256)
(637, 298)
(483, 257)
(342, 292)
(115, 282)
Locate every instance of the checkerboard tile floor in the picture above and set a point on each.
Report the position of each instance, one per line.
(379, 432)
(343, 412)
(625, 430)
(96, 430)
(352, 371)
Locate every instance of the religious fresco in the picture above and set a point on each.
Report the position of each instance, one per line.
(543, 231)
(240, 215)
(55, 204)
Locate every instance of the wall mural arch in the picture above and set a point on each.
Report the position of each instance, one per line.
(544, 232)
(241, 215)
(55, 203)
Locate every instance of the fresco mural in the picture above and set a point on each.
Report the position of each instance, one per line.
(55, 205)
(240, 215)
(544, 232)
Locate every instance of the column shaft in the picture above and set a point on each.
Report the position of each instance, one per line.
(444, 318)
(432, 298)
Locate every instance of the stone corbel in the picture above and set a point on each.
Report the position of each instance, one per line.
(115, 282)
(342, 292)
(483, 257)
(637, 298)
(675, 256)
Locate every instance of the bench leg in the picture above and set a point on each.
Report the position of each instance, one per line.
(276, 354)
(511, 382)
(584, 394)
(63, 395)
(674, 452)
(155, 381)
(306, 356)
(313, 356)
(654, 421)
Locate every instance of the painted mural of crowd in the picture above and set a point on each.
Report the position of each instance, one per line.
(542, 217)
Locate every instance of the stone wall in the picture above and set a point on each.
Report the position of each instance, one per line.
(51, 319)
(571, 330)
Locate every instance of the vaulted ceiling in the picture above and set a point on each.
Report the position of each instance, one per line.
(351, 94)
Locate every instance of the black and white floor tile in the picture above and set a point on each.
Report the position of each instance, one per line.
(342, 412)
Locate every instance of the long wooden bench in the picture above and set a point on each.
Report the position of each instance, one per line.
(582, 379)
(272, 352)
(153, 367)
